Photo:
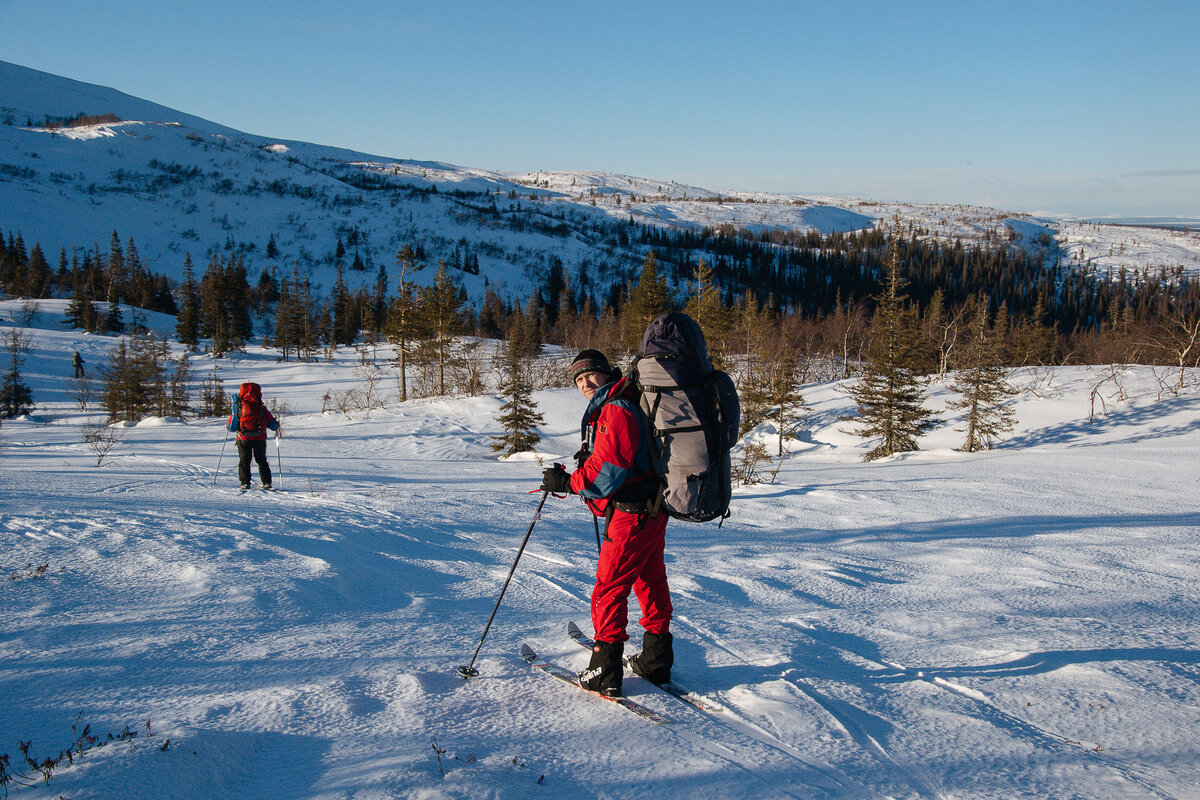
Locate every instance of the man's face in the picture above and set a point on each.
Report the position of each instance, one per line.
(589, 382)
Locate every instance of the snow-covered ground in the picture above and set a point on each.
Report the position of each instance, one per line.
(1020, 623)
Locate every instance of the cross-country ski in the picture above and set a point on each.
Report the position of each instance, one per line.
(566, 676)
(672, 687)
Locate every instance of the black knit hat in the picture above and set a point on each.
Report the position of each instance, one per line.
(590, 361)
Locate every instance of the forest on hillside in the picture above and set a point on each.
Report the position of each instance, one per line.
(886, 308)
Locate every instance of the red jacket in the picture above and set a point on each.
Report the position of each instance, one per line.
(619, 465)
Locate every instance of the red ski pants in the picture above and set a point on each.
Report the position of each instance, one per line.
(631, 559)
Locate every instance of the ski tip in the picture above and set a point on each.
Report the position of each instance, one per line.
(527, 653)
(466, 672)
(573, 630)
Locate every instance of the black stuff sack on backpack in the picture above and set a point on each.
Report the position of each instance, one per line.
(692, 412)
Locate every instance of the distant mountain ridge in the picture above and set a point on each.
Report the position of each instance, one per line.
(177, 184)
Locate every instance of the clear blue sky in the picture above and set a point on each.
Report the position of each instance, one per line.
(1086, 108)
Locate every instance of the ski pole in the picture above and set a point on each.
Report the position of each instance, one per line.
(278, 460)
(218, 472)
(468, 670)
(596, 525)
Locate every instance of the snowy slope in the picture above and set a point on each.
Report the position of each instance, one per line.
(178, 184)
(1013, 624)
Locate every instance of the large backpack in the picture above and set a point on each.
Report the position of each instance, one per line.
(692, 412)
(251, 420)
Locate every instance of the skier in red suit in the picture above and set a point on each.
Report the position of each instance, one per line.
(616, 479)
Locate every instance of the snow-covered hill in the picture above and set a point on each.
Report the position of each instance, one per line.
(1019, 623)
(179, 184)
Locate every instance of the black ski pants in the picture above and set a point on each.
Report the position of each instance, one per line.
(257, 448)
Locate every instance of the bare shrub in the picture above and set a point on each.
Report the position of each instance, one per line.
(101, 439)
(82, 391)
(753, 466)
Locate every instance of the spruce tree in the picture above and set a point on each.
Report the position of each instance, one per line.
(649, 299)
(440, 307)
(16, 398)
(81, 311)
(179, 396)
(710, 313)
(187, 324)
(781, 380)
(116, 270)
(236, 291)
(37, 273)
(133, 379)
(378, 302)
(213, 400)
(981, 380)
(141, 287)
(345, 326)
(754, 337)
(890, 393)
(520, 416)
(114, 321)
(402, 326)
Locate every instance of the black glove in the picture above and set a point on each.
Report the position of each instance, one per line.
(556, 480)
(581, 456)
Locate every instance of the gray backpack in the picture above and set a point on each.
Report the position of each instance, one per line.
(692, 412)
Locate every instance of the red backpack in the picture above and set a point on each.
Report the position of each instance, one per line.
(251, 420)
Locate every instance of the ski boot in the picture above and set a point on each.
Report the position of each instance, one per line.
(603, 674)
(656, 659)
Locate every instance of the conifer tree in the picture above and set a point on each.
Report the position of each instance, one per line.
(179, 394)
(525, 334)
(378, 302)
(81, 311)
(125, 394)
(295, 323)
(753, 334)
(114, 320)
(493, 317)
(402, 326)
(710, 312)
(520, 416)
(648, 299)
(187, 324)
(37, 273)
(141, 287)
(213, 400)
(440, 305)
(116, 270)
(225, 305)
(16, 398)
(304, 317)
(890, 393)
(783, 390)
(214, 324)
(345, 326)
(236, 290)
(567, 312)
(982, 382)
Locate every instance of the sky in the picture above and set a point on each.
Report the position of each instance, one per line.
(1064, 108)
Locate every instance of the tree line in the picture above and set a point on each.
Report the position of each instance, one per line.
(946, 307)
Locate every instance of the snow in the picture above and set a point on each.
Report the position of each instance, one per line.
(1019, 623)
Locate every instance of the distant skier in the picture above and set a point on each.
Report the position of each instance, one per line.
(616, 479)
(251, 419)
(77, 362)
